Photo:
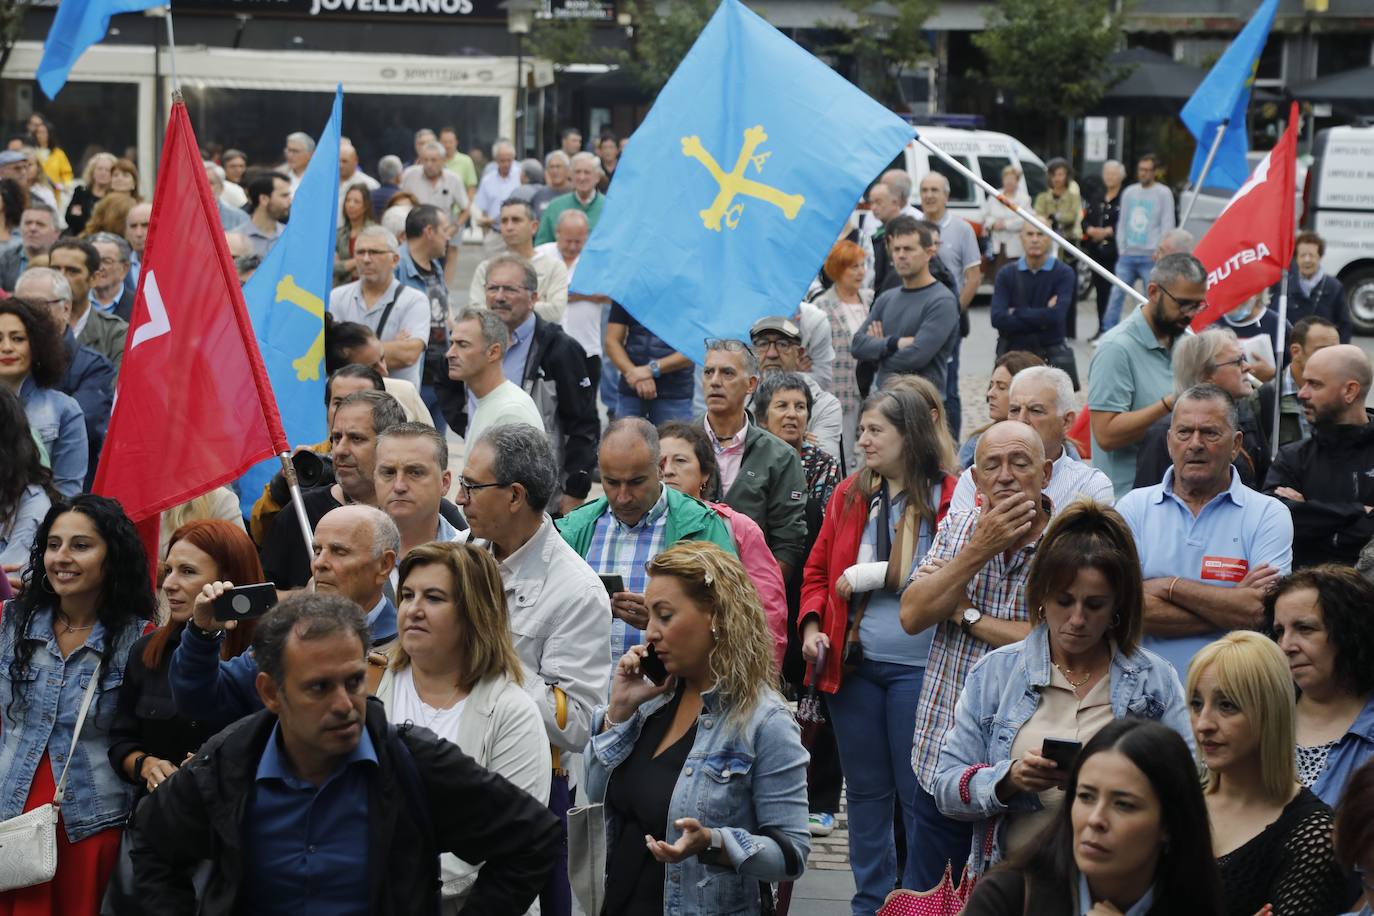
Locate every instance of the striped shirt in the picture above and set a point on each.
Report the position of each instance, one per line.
(998, 590)
(620, 549)
(1070, 479)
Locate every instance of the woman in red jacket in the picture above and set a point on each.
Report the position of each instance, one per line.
(877, 527)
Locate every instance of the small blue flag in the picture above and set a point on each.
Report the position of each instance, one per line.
(733, 190)
(1224, 95)
(78, 25)
(287, 298)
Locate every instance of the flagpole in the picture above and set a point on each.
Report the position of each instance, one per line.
(172, 54)
(1206, 167)
(1030, 217)
(1279, 346)
(288, 471)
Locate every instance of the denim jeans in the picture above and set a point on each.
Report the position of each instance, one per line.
(1129, 268)
(953, 406)
(874, 709)
(944, 841)
(656, 411)
(430, 397)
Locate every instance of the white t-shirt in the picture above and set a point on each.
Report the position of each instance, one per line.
(406, 706)
(582, 318)
(506, 403)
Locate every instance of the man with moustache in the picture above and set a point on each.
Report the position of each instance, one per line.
(1130, 378)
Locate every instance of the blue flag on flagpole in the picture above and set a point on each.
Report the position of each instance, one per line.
(734, 188)
(1224, 95)
(78, 25)
(287, 298)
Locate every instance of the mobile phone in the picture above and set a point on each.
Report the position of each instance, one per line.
(246, 602)
(613, 583)
(1062, 751)
(652, 667)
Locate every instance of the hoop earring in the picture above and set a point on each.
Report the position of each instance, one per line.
(1041, 611)
(1116, 619)
(46, 586)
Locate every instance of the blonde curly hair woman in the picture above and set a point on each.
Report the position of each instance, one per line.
(701, 771)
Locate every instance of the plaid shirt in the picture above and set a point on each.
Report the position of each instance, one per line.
(998, 590)
(620, 549)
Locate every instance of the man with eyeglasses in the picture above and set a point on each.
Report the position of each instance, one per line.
(299, 148)
(399, 314)
(1130, 378)
(778, 346)
(109, 294)
(517, 223)
(1042, 398)
(79, 262)
(1210, 547)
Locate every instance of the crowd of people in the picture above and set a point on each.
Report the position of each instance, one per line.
(1125, 675)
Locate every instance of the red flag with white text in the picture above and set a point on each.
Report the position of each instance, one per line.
(1249, 246)
(194, 408)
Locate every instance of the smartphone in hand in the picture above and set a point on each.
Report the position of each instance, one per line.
(246, 602)
(652, 666)
(1062, 751)
(613, 584)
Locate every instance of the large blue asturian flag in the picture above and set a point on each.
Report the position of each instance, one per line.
(1224, 95)
(287, 298)
(733, 190)
(78, 25)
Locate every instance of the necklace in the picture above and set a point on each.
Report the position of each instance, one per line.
(68, 628)
(1068, 676)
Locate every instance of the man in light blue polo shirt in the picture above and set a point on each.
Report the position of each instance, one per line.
(1210, 547)
(1130, 378)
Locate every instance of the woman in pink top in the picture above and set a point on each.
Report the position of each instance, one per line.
(688, 465)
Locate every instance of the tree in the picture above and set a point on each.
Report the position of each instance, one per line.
(1049, 57)
(890, 34)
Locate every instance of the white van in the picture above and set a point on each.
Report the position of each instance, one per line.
(984, 152)
(1338, 204)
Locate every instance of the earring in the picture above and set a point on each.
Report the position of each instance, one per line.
(1041, 611)
(1116, 619)
(46, 586)
(715, 634)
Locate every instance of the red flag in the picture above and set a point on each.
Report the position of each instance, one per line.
(1249, 246)
(194, 408)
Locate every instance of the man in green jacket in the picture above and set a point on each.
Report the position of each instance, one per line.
(637, 519)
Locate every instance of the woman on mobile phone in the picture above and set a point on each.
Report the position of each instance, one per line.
(703, 778)
(1079, 669)
(149, 740)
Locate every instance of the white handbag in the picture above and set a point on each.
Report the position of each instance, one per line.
(28, 843)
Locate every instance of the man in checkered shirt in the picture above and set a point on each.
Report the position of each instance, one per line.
(971, 588)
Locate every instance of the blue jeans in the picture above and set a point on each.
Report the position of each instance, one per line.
(430, 397)
(944, 841)
(656, 411)
(874, 709)
(610, 375)
(953, 406)
(1129, 268)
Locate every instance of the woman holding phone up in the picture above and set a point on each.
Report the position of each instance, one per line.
(1027, 708)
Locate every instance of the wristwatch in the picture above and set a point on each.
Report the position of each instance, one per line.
(653, 368)
(971, 616)
(714, 854)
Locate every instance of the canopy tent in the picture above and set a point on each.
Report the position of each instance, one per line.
(1349, 89)
(1155, 84)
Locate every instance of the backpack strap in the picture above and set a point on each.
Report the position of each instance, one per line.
(386, 312)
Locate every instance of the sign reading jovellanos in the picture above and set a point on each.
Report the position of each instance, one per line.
(395, 9)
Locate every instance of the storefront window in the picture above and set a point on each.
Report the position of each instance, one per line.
(89, 117)
(258, 120)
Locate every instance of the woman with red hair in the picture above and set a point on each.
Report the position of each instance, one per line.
(149, 740)
(846, 304)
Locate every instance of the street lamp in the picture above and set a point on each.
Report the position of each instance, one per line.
(519, 19)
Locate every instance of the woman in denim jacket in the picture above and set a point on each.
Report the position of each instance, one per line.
(33, 363)
(86, 599)
(1078, 670)
(704, 777)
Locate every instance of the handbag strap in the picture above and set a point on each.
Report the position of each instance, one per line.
(76, 733)
(386, 312)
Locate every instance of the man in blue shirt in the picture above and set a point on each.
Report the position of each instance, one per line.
(1210, 547)
(316, 805)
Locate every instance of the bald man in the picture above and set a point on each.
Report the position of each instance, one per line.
(355, 549)
(968, 596)
(1327, 479)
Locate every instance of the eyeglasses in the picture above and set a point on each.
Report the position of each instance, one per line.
(1209, 434)
(468, 487)
(497, 289)
(1186, 306)
(784, 344)
(371, 252)
(1240, 361)
(729, 345)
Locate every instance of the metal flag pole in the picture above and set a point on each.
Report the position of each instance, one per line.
(172, 53)
(1279, 345)
(288, 471)
(1030, 217)
(1206, 167)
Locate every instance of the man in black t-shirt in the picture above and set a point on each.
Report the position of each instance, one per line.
(424, 266)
